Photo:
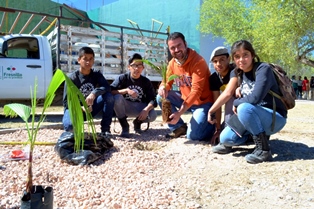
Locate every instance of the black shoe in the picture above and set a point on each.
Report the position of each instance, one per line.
(249, 140)
(262, 151)
(125, 127)
(221, 149)
(137, 125)
(107, 135)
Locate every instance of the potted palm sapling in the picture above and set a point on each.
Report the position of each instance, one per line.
(165, 103)
(37, 196)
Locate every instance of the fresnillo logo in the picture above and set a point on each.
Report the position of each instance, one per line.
(11, 68)
(10, 73)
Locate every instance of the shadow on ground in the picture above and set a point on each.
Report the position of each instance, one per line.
(281, 151)
(289, 151)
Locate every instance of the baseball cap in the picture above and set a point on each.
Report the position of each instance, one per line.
(219, 51)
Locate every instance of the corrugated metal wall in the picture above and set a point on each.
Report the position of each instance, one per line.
(39, 6)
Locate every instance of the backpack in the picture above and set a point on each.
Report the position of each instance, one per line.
(288, 95)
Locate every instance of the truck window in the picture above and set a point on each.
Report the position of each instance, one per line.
(23, 48)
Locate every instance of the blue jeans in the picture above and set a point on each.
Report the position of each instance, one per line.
(199, 128)
(102, 103)
(123, 108)
(256, 119)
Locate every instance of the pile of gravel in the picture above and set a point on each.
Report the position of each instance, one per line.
(135, 173)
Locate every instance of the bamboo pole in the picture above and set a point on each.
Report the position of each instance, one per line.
(23, 143)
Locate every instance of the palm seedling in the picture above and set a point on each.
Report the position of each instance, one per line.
(75, 99)
(165, 103)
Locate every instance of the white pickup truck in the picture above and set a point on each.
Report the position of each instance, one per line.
(26, 57)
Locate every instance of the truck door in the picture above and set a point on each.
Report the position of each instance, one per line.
(20, 65)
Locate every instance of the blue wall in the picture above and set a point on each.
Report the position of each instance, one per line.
(180, 15)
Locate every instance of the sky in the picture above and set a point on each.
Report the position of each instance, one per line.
(85, 5)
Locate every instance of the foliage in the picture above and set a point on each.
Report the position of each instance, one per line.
(280, 30)
(75, 98)
(162, 70)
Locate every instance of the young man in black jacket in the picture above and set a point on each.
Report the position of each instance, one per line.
(94, 88)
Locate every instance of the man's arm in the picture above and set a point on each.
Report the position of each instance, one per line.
(225, 95)
(102, 84)
(217, 113)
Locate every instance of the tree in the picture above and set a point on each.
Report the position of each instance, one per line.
(281, 31)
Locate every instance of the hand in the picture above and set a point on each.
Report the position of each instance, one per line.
(90, 99)
(211, 118)
(143, 115)
(238, 92)
(132, 93)
(90, 108)
(234, 110)
(162, 92)
(215, 138)
(174, 118)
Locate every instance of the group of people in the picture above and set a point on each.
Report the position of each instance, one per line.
(242, 87)
(303, 88)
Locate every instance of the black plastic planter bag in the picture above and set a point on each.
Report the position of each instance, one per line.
(90, 153)
(42, 198)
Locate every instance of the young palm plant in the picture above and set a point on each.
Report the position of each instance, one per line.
(75, 99)
(165, 103)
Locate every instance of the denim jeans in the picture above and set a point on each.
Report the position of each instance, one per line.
(199, 128)
(102, 103)
(123, 108)
(256, 119)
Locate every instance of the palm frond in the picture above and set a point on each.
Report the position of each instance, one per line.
(16, 109)
(173, 77)
(162, 70)
(75, 102)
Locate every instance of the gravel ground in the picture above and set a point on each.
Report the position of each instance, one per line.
(149, 171)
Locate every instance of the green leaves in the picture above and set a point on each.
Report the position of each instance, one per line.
(162, 70)
(75, 100)
(280, 31)
(13, 110)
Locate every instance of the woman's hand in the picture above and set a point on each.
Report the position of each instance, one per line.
(238, 92)
(234, 110)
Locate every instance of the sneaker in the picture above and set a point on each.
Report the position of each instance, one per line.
(221, 149)
(107, 135)
(125, 134)
(178, 132)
